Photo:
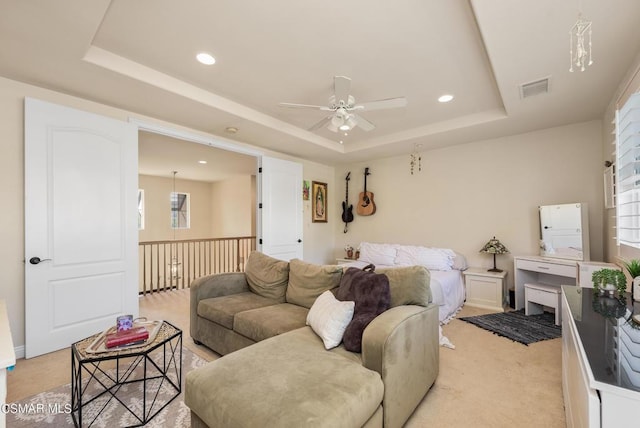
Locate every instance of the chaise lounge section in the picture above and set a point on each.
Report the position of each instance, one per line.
(277, 371)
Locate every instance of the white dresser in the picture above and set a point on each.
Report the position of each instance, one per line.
(600, 361)
(542, 270)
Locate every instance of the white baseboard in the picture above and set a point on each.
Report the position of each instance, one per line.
(19, 351)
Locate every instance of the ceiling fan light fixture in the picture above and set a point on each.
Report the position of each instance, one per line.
(337, 121)
(344, 127)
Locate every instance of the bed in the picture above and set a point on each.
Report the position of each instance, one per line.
(444, 265)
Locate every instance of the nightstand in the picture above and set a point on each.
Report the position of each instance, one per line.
(484, 289)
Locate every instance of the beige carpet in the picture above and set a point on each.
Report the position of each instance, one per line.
(52, 408)
(491, 381)
(487, 381)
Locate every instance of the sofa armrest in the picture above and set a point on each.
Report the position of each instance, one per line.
(402, 344)
(221, 284)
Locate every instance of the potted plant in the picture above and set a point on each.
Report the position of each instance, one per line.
(633, 267)
(610, 307)
(609, 280)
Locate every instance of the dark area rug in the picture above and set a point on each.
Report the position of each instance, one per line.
(515, 325)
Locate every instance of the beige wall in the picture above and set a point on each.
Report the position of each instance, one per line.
(315, 233)
(468, 193)
(157, 191)
(319, 247)
(232, 207)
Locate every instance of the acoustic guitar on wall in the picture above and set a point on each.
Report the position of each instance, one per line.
(366, 206)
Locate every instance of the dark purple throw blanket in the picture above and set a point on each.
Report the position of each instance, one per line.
(371, 293)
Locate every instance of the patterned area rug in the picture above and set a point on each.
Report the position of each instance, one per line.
(53, 408)
(515, 325)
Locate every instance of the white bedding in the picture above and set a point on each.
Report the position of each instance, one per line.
(447, 290)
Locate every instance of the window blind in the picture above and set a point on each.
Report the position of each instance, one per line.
(628, 171)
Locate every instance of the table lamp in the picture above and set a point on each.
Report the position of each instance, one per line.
(494, 247)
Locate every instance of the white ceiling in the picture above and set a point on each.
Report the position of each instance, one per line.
(160, 155)
(139, 55)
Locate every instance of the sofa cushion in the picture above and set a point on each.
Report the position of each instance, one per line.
(288, 380)
(307, 281)
(263, 323)
(267, 277)
(329, 317)
(408, 285)
(221, 310)
(371, 294)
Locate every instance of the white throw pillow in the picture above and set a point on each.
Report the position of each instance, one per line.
(378, 254)
(329, 318)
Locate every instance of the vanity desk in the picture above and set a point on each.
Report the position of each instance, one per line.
(542, 270)
(600, 359)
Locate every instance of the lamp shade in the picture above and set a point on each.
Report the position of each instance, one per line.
(494, 247)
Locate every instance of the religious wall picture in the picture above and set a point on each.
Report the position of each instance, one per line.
(318, 202)
(305, 190)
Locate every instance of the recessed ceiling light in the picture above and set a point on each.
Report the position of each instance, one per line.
(203, 162)
(445, 98)
(205, 58)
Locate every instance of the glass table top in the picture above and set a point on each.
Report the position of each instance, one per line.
(609, 335)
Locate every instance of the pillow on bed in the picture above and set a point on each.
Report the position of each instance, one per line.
(378, 254)
(431, 258)
(459, 262)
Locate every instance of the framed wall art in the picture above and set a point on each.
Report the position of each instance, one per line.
(305, 190)
(318, 202)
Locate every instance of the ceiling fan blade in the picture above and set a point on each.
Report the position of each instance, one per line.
(363, 123)
(293, 105)
(322, 123)
(383, 104)
(341, 88)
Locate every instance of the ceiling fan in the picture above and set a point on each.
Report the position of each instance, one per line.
(343, 108)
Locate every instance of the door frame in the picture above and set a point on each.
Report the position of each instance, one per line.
(215, 142)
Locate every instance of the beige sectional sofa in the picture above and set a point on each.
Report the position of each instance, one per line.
(276, 371)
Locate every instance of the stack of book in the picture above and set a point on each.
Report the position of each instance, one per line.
(126, 337)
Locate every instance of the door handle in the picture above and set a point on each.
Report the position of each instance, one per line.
(36, 260)
(299, 240)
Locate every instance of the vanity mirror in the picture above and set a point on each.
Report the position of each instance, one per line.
(564, 231)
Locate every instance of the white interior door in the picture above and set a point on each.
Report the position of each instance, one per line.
(280, 193)
(80, 221)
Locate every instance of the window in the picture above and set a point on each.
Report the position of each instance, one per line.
(179, 210)
(628, 172)
(140, 209)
